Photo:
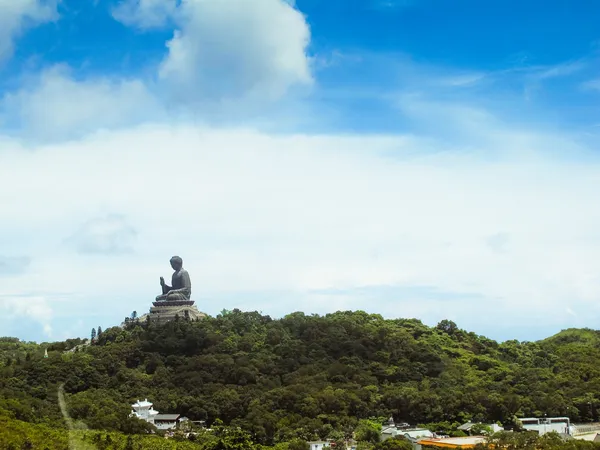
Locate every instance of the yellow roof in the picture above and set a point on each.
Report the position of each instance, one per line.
(456, 442)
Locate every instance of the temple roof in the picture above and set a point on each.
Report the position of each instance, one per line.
(143, 404)
(169, 417)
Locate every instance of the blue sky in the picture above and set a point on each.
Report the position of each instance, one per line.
(413, 158)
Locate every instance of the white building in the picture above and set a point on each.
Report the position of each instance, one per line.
(494, 427)
(143, 410)
(411, 434)
(561, 425)
(416, 433)
(167, 421)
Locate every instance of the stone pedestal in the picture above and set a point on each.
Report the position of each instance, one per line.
(165, 311)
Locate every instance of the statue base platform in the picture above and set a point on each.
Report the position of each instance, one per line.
(173, 303)
(167, 310)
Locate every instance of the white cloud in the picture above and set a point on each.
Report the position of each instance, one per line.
(469, 79)
(226, 59)
(110, 234)
(236, 49)
(483, 212)
(251, 212)
(55, 105)
(15, 15)
(36, 308)
(145, 14)
(391, 4)
(498, 242)
(559, 70)
(13, 265)
(592, 84)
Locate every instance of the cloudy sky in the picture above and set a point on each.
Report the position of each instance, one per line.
(412, 158)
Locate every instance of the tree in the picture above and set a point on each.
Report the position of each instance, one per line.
(397, 443)
(93, 334)
(134, 315)
(524, 441)
(302, 377)
(99, 331)
(129, 444)
(479, 429)
(298, 444)
(229, 438)
(368, 431)
(447, 326)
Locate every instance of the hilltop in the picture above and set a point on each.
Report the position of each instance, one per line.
(302, 376)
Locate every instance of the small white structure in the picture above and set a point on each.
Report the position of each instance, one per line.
(494, 427)
(411, 434)
(388, 431)
(320, 445)
(144, 410)
(585, 431)
(416, 433)
(561, 425)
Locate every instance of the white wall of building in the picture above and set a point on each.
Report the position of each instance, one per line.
(144, 410)
(317, 445)
(166, 425)
(548, 425)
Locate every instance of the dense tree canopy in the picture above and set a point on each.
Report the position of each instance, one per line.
(301, 377)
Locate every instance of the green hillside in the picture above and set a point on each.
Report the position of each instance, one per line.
(301, 377)
(583, 336)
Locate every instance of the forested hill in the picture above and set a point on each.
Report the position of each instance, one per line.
(302, 376)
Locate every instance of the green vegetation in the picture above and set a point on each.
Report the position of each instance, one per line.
(283, 382)
(531, 441)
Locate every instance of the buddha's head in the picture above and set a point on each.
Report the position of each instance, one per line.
(176, 262)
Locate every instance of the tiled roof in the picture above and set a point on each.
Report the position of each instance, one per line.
(168, 417)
